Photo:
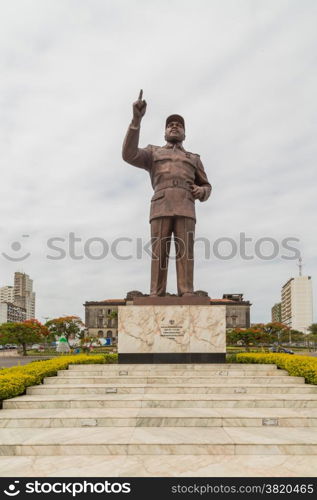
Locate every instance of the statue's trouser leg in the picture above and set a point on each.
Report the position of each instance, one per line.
(184, 235)
(161, 231)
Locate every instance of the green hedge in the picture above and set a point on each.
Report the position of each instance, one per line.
(298, 366)
(14, 380)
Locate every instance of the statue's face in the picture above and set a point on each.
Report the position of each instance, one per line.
(174, 132)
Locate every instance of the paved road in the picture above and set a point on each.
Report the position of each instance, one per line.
(6, 362)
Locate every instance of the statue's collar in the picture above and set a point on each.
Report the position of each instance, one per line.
(176, 145)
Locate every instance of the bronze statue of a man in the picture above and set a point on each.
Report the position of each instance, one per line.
(178, 179)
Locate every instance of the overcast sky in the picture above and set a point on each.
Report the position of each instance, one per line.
(243, 75)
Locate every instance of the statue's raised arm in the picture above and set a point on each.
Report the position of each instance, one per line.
(131, 153)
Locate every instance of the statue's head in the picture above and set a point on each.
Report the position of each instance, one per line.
(175, 129)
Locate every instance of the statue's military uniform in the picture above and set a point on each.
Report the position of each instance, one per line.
(173, 171)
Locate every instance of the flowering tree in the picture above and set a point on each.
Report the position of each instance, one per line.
(277, 332)
(261, 333)
(69, 326)
(23, 333)
(247, 337)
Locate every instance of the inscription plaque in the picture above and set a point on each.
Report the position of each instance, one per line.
(172, 330)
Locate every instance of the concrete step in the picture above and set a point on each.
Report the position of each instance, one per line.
(173, 380)
(153, 466)
(171, 389)
(171, 373)
(162, 401)
(153, 368)
(158, 417)
(119, 372)
(163, 441)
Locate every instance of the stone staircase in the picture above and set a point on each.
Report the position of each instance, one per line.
(162, 420)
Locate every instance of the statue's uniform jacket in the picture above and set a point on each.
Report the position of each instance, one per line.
(172, 170)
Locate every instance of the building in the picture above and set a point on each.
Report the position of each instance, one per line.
(101, 318)
(297, 303)
(276, 313)
(237, 310)
(7, 294)
(23, 294)
(11, 313)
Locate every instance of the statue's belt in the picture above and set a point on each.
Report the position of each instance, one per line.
(179, 183)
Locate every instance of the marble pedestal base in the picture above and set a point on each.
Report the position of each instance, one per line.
(172, 334)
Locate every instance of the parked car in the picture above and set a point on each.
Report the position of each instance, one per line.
(37, 347)
(281, 350)
(286, 351)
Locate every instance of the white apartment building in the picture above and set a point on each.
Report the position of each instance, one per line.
(7, 294)
(11, 313)
(297, 303)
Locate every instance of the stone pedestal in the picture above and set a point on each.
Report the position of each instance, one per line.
(172, 333)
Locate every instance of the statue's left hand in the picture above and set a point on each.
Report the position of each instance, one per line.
(197, 191)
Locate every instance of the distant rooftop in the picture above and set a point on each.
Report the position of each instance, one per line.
(235, 299)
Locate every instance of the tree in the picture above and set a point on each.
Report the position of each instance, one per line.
(296, 336)
(113, 315)
(247, 337)
(69, 326)
(23, 333)
(311, 338)
(313, 329)
(276, 331)
(261, 333)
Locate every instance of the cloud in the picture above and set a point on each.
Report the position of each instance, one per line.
(243, 75)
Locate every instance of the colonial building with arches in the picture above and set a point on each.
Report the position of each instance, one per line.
(101, 318)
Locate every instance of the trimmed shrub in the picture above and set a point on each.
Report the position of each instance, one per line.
(110, 358)
(297, 366)
(231, 358)
(14, 380)
(13, 385)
